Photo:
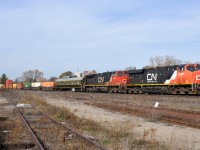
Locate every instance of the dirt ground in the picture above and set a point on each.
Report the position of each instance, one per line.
(175, 136)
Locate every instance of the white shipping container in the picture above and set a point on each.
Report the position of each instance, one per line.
(35, 84)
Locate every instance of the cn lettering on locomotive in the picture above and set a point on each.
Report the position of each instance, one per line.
(152, 78)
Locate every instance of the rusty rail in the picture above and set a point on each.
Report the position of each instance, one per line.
(80, 136)
(33, 136)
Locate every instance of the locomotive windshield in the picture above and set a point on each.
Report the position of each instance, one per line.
(198, 67)
(120, 73)
(191, 68)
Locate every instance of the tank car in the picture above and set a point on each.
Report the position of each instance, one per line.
(72, 83)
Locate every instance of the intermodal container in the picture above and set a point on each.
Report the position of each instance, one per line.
(14, 86)
(19, 85)
(9, 84)
(27, 85)
(35, 85)
(47, 85)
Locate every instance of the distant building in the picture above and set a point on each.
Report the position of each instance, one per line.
(85, 73)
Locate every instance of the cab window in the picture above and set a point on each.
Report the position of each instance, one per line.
(191, 68)
(198, 67)
(181, 68)
(120, 73)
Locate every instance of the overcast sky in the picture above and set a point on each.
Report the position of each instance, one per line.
(59, 35)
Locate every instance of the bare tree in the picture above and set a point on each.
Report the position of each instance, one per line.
(159, 61)
(18, 80)
(156, 61)
(52, 79)
(32, 75)
(130, 68)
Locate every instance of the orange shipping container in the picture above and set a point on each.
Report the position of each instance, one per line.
(47, 85)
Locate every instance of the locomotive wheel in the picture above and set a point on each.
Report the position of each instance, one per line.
(110, 90)
(124, 91)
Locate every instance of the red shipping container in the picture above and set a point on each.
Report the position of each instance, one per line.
(9, 84)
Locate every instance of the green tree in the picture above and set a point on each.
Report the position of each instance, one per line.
(67, 73)
(3, 78)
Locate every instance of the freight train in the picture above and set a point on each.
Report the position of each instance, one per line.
(177, 79)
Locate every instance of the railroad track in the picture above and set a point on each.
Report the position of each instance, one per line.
(182, 117)
(47, 133)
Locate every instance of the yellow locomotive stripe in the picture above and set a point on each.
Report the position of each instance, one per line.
(129, 85)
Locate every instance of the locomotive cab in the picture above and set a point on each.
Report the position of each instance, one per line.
(188, 77)
(120, 77)
(185, 74)
(118, 82)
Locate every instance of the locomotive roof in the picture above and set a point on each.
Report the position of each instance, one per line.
(138, 71)
(70, 78)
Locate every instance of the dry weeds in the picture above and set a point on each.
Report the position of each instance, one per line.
(115, 136)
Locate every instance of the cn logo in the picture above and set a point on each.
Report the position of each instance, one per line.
(152, 77)
(100, 79)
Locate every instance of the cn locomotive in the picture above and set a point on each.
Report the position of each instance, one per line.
(177, 79)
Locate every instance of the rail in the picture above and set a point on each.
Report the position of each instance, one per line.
(80, 136)
(33, 136)
(183, 117)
